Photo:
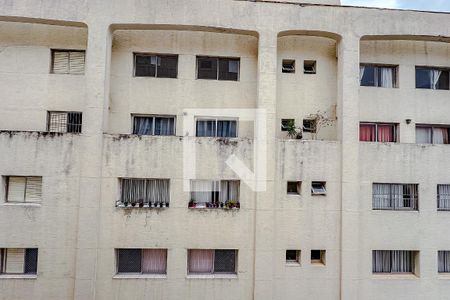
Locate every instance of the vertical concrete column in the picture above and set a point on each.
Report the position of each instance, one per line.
(264, 207)
(91, 150)
(348, 108)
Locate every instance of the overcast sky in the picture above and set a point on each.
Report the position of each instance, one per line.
(437, 5)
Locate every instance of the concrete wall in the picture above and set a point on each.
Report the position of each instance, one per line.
(77, 226)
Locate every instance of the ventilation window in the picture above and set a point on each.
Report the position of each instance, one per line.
(318, 257)
(293, 256)
(309, 125)
(309, 67)
(286, 123)
(318, 188)
(293, 187)
(68, 62)
(288, 66)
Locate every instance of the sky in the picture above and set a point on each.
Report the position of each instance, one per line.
(432, 5)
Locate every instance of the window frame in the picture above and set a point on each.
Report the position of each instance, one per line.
(215, 194)
(288, 69)
(52, 60)
(4, 257)
(376, 124)
(439, 198)
(377, 67)
(310, 63)
(217, 119)
(443, 272)
(432, 68)
(213, 273)
(298, 188)
(141, 273)
(217, 58)
(136, 204)
(154, 116)
(296, 261)
(49, 114)
(319, 191)
(321, 260)
(414, 263)
(7, 188)
(158, 56)
(432, 127)
(414, 200)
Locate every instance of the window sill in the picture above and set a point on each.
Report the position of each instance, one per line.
(22, 204)
(444, 276)
(140, 276)
(387, 276)
(18, 276)
(212, 276)
(293, 264)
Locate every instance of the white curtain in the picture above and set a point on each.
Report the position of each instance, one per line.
(201, 261)
(226, 128)
(423, 135)
(206, 128)
(387, 77)
(397, 196)
(444, 196)
(381, 261)
(435, 75)
(164, 126)
(203, 191)
(361, 72)
(154, 261)
(440, 135)
(143, 125)
(382, 196)
(444, 261)
(386, 261)
(229, 190)
(145, 191)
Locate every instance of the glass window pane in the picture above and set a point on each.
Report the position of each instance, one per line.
(228, 69)
(145, 65)
(368, 77)
(207, 68)
(226, 128)
(225, 261)
(206, 128)
(167, 66)
(423, 78)
(143, 125)
(164, 126)
(443, 81)
(31, 260)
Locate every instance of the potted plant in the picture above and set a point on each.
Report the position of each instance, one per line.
(292, 131)
(192, 204)
(230, 204)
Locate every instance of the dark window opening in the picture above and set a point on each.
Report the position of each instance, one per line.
(218, 68)
(309, 125)
(293, 187)
(309, 67)
(288, 66)
(318, 256)
(161, 66)
(293, 256)
(318, 188)
(286, 124)
(432, 78)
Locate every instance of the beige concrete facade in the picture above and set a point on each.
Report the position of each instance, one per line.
(77, 226)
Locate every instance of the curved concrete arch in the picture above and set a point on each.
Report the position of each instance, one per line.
(423, 38)
(42, 21)
(317, 33)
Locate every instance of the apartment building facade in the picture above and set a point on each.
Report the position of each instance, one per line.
(120, 122)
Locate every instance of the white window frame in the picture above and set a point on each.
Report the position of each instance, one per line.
(319, 191)
(25, 199)
(216, 119)
(174, 117)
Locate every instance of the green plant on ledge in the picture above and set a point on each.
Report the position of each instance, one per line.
(292, 131)
(229, 204)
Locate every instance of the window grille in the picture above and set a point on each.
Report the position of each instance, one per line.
(395, 196)
(31, 261)
(69, 122)
(393, 261)
(68, 62)
(443, 193)
(154, 193)
(129, 260)
(218, 68)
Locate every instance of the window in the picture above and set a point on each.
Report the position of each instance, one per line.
(293, 256)
(387, 196)
(309, 125)
(309, 67)
(378, 132)
(288, 66)
(443, 196)
(154, 125)
(318, 257)
(428, 134)
(432, 78)
(64, 122)
(318, 188)
(212, 261)
(144, 193)
(378, 75)
(21, 189)
(294, 187)
(218, 68)
(155, 65)
(214, 194)
(141, 261)
(444, 261)
(18, 261)
(68, 62)
(393, 261)
(216, 128)
(286, 124)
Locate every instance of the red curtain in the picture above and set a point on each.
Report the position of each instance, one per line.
(367, 133)
(386, 134)
(201, 261)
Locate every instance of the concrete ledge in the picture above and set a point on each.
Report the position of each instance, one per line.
(18, 276)
(140, 276)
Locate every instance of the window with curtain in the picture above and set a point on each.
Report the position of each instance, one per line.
(432, 78)
(387, 196)
(378, 132)
(144, 193)
(218, 68)
(212, 261)
(428, 134)
(141, 261)
(443, 196)
(214, 194)
(378, 75)
(155, 65)
(393, 261)
(216, 128)
(24, 189)
(18, 260)
(154, 125)
(444, 261)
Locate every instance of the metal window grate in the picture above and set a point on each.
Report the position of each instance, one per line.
(70, 122)
(395, 196)
(225, 261)
(31, 261)
(129, 260)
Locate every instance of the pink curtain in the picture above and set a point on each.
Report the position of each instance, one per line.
(201, 261)
(386, 134)
(154, 261)
(367, 133)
